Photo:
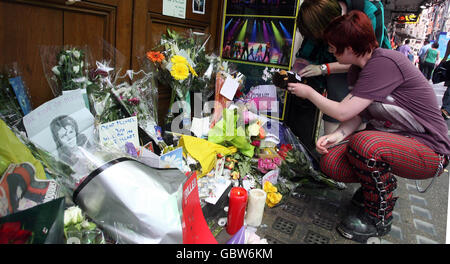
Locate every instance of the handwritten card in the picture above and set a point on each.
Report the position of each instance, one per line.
(229, 88)
(175, 8)
(118, 133)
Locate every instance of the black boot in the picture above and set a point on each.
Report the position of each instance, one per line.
(358, 198)
(362, 226)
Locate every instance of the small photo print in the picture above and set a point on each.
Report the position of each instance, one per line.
(198, 6)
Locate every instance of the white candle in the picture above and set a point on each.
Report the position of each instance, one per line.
(255, 208)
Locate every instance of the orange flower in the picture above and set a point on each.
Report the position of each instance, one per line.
(155, 56)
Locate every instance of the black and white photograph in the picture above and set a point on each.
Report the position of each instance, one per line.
(198, 6)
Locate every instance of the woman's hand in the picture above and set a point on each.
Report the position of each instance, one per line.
(300, 89)
(310, 71)
(324, 142)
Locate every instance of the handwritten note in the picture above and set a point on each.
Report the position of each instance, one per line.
(175, 8)
(119, 132)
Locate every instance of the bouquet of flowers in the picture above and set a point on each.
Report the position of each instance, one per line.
(181, 63)
(296, 167)
(67, 70)
(140, 99)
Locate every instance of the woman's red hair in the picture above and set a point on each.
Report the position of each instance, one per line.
(353, 30)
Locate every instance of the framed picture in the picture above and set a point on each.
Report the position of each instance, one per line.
(279, 8)
(260, 40)
(198, 6)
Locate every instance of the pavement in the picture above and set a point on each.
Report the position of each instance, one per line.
(310, 215)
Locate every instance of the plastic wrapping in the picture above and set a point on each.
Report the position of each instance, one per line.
(134, 203)
(180, 62)
(10, 109)
(138, 100)
(66, 68)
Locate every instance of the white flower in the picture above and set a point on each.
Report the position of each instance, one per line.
(73, 215)
(76, 68)
(62, 59)
(55, 70)
(76, 53)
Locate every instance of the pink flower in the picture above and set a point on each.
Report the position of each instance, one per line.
(256, 143)
(134, 100)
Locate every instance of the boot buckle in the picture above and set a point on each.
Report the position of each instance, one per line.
(371, 163)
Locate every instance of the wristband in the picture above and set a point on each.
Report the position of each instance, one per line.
(328, 68)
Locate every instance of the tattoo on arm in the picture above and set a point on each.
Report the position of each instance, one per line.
(342, 132)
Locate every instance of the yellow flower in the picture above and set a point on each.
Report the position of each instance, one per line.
(179, 59)
(269, 188)
(273, 199)
(192, 70)
(179, 71)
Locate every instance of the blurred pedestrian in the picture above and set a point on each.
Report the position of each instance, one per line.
(406, 50)
(431, 57)
(421, 54)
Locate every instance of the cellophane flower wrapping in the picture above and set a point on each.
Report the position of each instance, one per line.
(300, 167)
(140, 99)
(103, 105)
(181, 63)
(66, 68)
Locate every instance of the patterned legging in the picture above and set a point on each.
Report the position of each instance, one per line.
(407, 157)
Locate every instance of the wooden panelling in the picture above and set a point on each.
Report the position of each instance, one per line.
(20, 38)
(27, 25)
(149, 27)
(132, 27)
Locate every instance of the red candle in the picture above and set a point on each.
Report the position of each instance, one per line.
(236, 209)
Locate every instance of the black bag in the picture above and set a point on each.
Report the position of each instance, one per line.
(441, 73)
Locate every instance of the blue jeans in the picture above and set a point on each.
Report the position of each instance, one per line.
(446, 99)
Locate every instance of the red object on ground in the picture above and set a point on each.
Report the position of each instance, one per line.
(236, 209)
(195, 228)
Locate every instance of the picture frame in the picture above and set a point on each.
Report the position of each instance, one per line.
(198, 6)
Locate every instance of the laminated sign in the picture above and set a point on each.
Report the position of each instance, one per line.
(195, 228)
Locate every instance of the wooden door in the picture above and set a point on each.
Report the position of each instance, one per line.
(25, 25)
(148, 26)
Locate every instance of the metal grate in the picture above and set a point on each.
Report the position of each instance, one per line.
(284, 226)
(293, 209)
(324, 223)
(272, 240)
(301, 196)
(315, 238)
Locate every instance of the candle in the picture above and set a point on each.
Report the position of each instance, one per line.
(255, 210)
(236, 209)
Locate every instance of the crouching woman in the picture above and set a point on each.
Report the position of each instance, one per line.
(406, 135)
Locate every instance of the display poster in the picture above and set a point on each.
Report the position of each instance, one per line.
(259, 32)
(175, 8)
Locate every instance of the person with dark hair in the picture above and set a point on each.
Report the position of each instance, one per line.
(315, 15)
(285, 53)
(405, 135)
(405, 49)
(431, 57)
(421, 54)
(267, 53)
(245, 49)
(67, 137)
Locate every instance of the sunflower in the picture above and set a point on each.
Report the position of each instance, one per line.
(155, 56)
(179, 71)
